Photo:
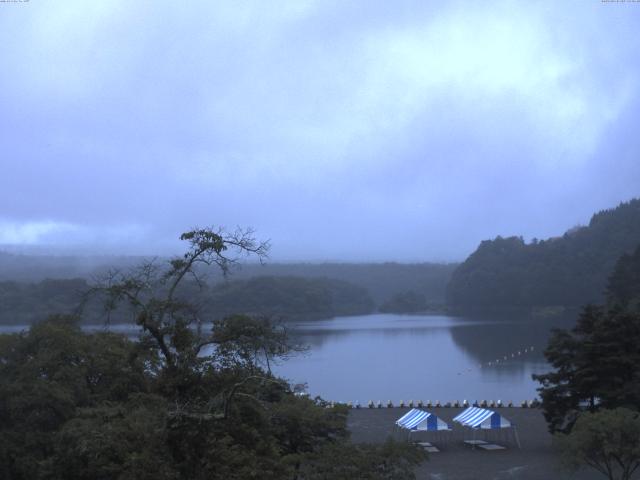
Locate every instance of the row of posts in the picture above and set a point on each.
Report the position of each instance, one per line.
(464, 404)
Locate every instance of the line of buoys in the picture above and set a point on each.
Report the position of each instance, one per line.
(437, 404)
(506, 357)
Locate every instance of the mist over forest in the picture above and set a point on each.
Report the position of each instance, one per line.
(557, 273)
(319, 240)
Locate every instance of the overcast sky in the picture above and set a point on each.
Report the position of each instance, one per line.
(405, 131)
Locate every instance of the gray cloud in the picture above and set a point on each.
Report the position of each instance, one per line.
(362, 131)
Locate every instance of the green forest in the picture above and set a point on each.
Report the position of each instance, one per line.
(278, 297)
(381, 280)
(179, 402)
(290, 297)
(566, 271)
(288, 292)
(570, 270)
(591, 396)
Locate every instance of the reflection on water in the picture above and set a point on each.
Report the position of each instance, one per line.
(414, 357)
(411, 357)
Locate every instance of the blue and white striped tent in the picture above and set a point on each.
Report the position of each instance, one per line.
(481, 418)
(476, 417)
(419, 420)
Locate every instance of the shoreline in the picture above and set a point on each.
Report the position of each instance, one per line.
(456, 461)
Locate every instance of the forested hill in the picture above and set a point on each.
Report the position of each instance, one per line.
(571, 270)
(382, 280)
(288, 298)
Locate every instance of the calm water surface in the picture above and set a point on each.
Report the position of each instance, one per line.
(413, 357)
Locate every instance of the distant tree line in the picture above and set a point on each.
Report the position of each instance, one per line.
(571, 270)
(405, 302)
(289, 297)
(381, 280)
(283, 297)
(24, 303)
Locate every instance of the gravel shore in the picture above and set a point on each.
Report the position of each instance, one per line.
(456, 461)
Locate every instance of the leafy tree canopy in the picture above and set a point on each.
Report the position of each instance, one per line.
(623, 290)
(595, 365)
(608, 441)
(182, 402)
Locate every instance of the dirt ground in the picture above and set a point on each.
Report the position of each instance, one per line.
(457, 461)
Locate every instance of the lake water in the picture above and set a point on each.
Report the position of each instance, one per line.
(418, 357)
(412, 357)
